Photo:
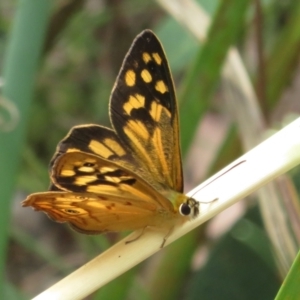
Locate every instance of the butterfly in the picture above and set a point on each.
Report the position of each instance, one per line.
(127, 177)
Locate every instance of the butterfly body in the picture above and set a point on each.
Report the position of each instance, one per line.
(128, 177)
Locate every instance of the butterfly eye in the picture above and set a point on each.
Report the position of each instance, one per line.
(189, 208)
(185, 209)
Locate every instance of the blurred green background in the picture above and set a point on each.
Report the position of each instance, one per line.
(59, 61)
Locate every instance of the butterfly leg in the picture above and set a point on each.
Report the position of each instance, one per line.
(166, 236)
(136, 238)
(142, 232)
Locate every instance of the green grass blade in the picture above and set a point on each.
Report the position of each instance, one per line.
(284, 57)
(205, 72)
(290, 288)
(20, 65)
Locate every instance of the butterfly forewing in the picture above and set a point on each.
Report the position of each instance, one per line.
(143, 112)
(97, 140)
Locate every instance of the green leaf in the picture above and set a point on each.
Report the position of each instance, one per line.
(19, 72)
(290, 288)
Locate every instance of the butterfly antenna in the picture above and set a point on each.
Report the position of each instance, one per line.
(237, 164)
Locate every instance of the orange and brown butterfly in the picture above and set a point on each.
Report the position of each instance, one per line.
(128, 177)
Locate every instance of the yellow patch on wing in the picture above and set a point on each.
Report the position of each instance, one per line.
(83, 180)
(85, 169)
(146, 76)
(161, 87)
(157, 142)
(100, 149)
(138, 135)
(107, 148)
(112, 179)
(146, 57)
(103, 189)
(72, 150)
(155, 111)
(67, 173)
(104, 170)
(134, 102)
(130, 78)
(117, 148)
(157, 58)
(136, 128)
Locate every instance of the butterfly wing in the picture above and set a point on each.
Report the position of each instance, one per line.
(105, 143)
(144, 115)
(97, 140)
(93, 214)
(81, 172)
(94, 195)
(143, 111)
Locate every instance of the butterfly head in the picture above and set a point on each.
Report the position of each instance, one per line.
(189, 208)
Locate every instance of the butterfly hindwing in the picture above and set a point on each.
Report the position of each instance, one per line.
(95, 195)
(81, 172)
(93, 214)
